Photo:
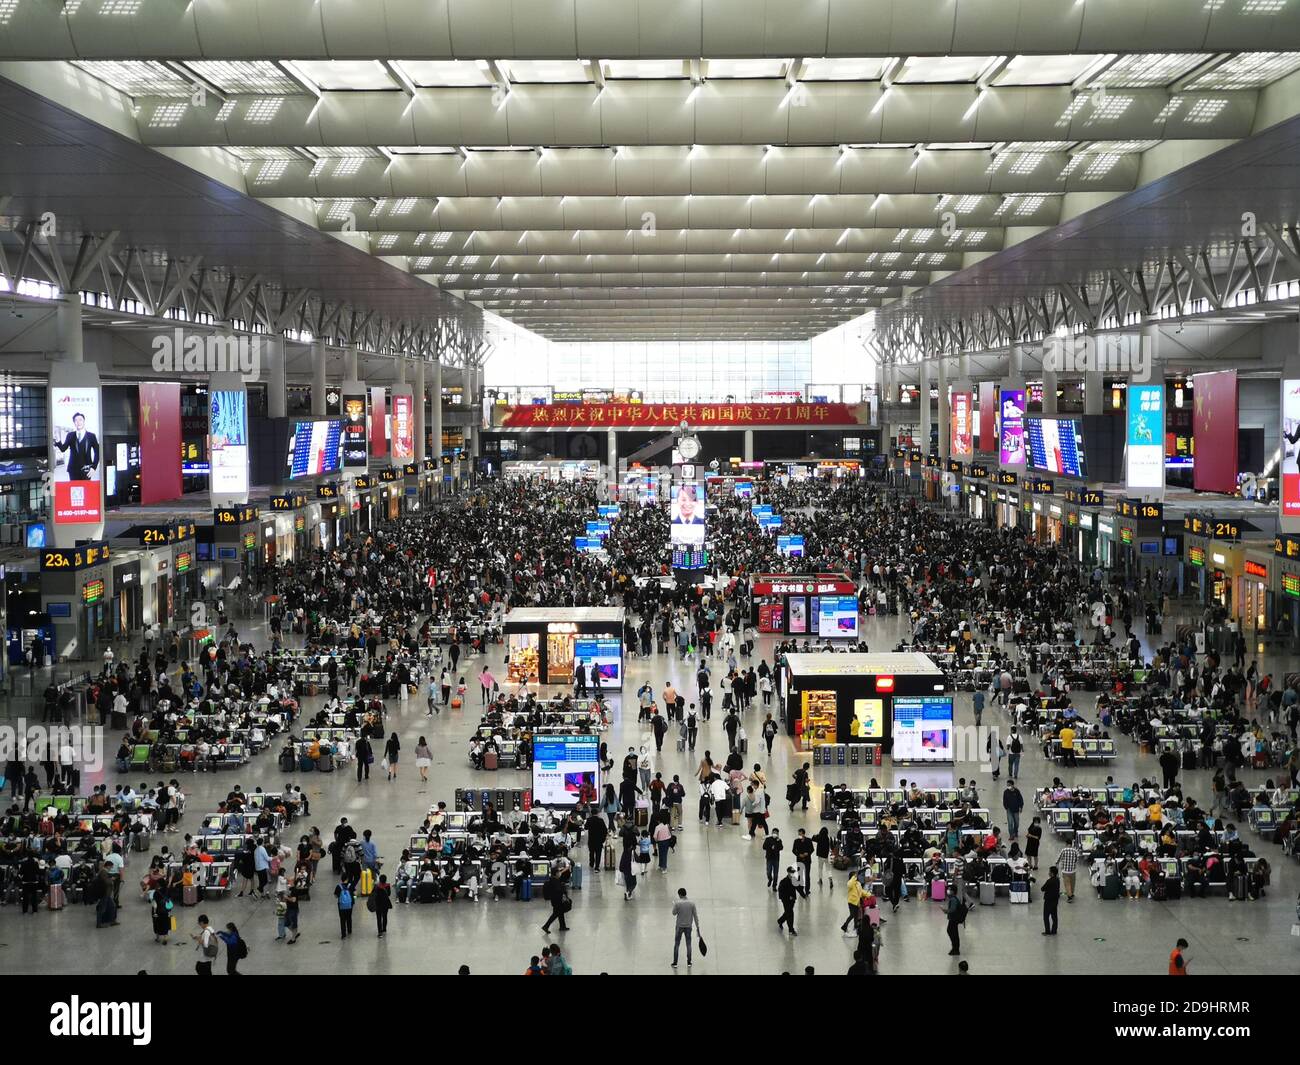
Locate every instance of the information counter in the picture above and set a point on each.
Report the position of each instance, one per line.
(898, 702)
(544, 645)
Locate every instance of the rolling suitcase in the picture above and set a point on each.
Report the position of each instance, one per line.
(609, 860)
(287, 761)
(735, 815)
(642, 817)
(190, 895)
(56, 899)
(489, 759)
(525, 888)
(305, 764)
(367, 884)
(1111, 889)
(1020, 891)
(1237, 887)
(1173, 888)
(938, 890)
(575, 881)
(326, 763)
(988, 893)
(681, 743)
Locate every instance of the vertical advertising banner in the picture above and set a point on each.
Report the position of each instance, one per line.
(354, 429)
(227, 440)
(1214, 431)
(160, 443)
(988, 433)
(1290, 448)
(962, 432)
(1145, 461)
(378, 424)
(1011, 450)
(403, 427)
(76, 458)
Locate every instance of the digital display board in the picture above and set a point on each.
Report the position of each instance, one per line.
(589, 544)
(837, 617)
(603, 654)
(687, 514)
(962, 436)
(354, 432)
(743, 489)
(791, 546)
(923, 728)
(1011, 450)
(76, 458)
(1291, 585)
(228, 442)
(563, 766)
(1056, 445)
(598, 529)
(403, 427)
(316, 447)
(1145, 462)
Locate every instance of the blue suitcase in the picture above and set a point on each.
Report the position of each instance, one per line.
(305, 764)
(526, 889)
(575, 881)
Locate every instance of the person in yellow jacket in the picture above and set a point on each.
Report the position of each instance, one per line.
(855, 893)
(1066, 737)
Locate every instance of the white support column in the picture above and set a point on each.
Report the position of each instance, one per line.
(611, 455)
(319, 359)
(923, 402)
(1050, 385)
(350, 361)
(420, 398)
(433, 382)
(749, 445)
(69, 327)
(944, 413)
(277, 400)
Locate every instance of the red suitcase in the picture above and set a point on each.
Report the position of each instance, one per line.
(56, 898)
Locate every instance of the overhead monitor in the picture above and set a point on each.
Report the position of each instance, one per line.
(562, 766)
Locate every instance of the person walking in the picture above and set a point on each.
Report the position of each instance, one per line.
(597, 833)
(625, 867)
(854, 899)
(685, 917)
(802, 849)
(1067, 862)
(391, 750)
(423, 759)
(787, 893)
(769, 733)
(1014, 750)
(206, 944)
(1012, 802)
(772, 847)
(236, 948)
(978, 702)
(996, 752)
(663, 841)
(379, 903)
(343, 893)
(822, 842)
(956, 910)
(364, 755)
(1178, 960)
(1051, 901)
(799, 786)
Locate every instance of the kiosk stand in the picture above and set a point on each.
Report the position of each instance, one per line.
(544, 645)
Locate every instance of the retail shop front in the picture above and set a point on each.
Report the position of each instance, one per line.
(544, 645)
(897, 704)
(1105, 541)
(932, 478)
(235, 535)
(1256, 590)
(284, 510)
(76, 585)
(821, 605)
(1080, 509)
(1006, 512)
(1212, 550)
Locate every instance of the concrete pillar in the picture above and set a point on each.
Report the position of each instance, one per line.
(1050, 385)
(611, 449)
(350, 361)
(319, 359)
(277, 400)
(401, 370)
(421, 398)
(475, 400)
(69, 325)
(923, 401)
(1016, 362)
(749, 445)
(433, 382)
(944, 412)
(1094, 398)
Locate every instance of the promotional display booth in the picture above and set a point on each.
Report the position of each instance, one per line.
(897, 702)
(821, 605)
(544, 645)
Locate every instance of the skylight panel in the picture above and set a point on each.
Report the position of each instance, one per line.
(270, 170)
(148, 78)
(246, 77)
(443, 72)
(943, 68)
(388, 240)
(842, 69)
(1248, 70)
(745, 68)
(545, 71)
(340, 75)
(645, 68)
(1044, 69)
(168, 116)
(263, 111)
(1146, 69)
(1205, 111)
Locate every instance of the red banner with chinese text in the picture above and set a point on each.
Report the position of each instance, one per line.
(667, 415)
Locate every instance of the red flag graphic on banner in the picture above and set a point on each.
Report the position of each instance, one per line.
(378, 424)
(160, 443)
(1214, 431)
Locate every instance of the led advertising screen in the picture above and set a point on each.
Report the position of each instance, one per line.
(791, 546)
(1056, 445)
(688, 514)
(761, 511)
(837, 619)
(607, 512)
(987, 435)
(798, 606)
(354, 432)
(1145, 465)
(743, 489)
(597, 529)
(960, 415)
(228, 442)
(603, 654)
(922, 728)
(315, 447)
(403, 427)
(1011, 450)
(1291, 448)
(772, 521)
(76, 462)
(563, 766)
(868, 719)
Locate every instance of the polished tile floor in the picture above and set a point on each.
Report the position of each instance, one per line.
(721, 869)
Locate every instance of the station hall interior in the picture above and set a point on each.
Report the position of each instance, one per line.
(895, 399)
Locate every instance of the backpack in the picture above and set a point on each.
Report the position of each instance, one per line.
(241, 949)
(345, 899)
(1016, 746)
(350, 854)
(961, 912)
